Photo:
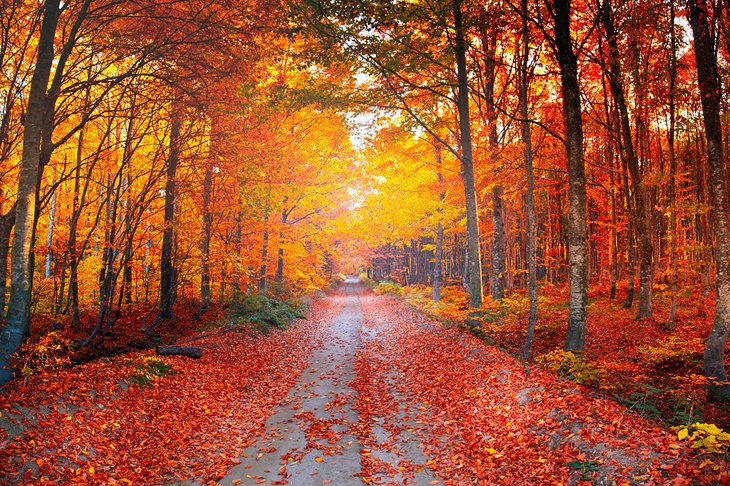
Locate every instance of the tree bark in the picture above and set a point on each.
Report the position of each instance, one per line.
(673, 229)
(17, 322)
(439, 254)
(641, 194)
(708, 80)
(7, 221)
(187, 351)
(577, 239)
(167, 269)
(530, 196)
(264, 256)
(205, 295)
(476, 291)
(499, 250)
(279, 276)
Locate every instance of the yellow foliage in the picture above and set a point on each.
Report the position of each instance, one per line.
(708, 438)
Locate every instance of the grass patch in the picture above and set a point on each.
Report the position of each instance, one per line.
(146, 370)
(266, 312)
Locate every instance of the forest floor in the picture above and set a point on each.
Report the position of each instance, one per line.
(366, 390)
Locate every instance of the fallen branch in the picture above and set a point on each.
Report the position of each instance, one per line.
(189, 351)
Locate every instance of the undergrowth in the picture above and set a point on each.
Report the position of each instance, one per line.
(651, 371)
(147, 369)
(265, 312)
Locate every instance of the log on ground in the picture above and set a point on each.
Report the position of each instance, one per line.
(189, 351)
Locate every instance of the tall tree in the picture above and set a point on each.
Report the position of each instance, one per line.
(530, 196)
(641, 194)
(577, 235)
(17, 322)
(167, 265)
(708, 79)
(476, 290)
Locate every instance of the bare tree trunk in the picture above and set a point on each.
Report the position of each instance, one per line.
(440, 229)
(708, 80)
(673, 229)
(530, 196)
(7, 221)
(476, 291)
(205, 295)
(279, 276)
(49, 237)
(167, 269)
(17, 322)
(641, 193)
(577, 239)
(264, 257)
(499, 251)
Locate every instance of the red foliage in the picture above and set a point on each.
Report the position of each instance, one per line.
(482, 414)
(92, 424)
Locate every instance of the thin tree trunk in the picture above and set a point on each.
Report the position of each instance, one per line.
(497, 281)
(476, 291)
(530, 196)
(264, 257)
(205, 295)
(641, 193)
(673, 230)
(708, 80)
(167, 269)
(440, 227)
(7, 221)
(17, 322)
(49, 236)
(279, 276)
(577, 239)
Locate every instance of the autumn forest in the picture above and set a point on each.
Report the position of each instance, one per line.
(546, 180)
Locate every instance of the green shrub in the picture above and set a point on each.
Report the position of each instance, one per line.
(573, 367)
(389, 287)
(266, 311)
(147, 369)
(674, 354)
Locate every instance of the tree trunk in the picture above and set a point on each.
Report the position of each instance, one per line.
(440, 229)
(49, 237)
(188, 351)
(279, 276)
(710, 94)
(205, 295)
(530, 196)
(17, 322)
(264, 257)
(577, 241)
(167, 269)
(497, 281)
(641, 193)
(476, 291)
(673, 229)
(7, 221)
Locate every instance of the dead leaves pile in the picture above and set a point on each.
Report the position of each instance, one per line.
(93, 424)
(484, 418)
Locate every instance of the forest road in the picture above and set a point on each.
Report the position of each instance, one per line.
(311, 437)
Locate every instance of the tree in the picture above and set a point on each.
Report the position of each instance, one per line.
(640, 193)
(530, 196)
(17, 322)
(476, 291)
(708, 80)
(577, 237)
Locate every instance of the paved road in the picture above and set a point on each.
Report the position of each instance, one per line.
(311, 438)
